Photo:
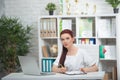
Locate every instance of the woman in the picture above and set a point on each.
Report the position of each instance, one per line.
(72, 58)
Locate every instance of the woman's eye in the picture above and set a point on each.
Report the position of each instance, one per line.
(62, 39)
(67, 38)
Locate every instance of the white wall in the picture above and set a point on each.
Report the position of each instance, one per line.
(1, 13)
(2, 7)
(29, 10)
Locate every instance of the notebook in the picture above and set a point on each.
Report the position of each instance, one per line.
(30, 67)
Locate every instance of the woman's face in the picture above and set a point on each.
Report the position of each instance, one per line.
(67, 40)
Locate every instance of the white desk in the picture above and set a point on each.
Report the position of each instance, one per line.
(57, 76)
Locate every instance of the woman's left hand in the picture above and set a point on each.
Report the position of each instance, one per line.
(93, 68)
(84, 70)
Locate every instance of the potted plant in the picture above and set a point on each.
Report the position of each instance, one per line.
(51, 7)
(14, 41)
(114, 4)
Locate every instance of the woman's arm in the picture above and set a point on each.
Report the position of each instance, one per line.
(55, 68)
(93, 68)
(58, 70)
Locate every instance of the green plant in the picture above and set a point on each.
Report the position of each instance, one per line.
(14, 41)
(113, 3)
(50, 7)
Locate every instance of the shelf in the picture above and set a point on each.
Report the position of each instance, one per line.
(90, 15)
(106, 37)
(48, 57)
(49, 37)
(92, 35)
(107, 59)
(85, 37)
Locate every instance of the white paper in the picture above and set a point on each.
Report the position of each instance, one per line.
(74, 72)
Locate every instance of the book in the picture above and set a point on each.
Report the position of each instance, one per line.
(108, 76)
(101, 51)
(83, 41)
(50, 65)
(86, 41)
(41, 28)
(45, 51)
(43, 65)
(114, 73)
(54, 27)
(45, 27)
(47, 65)
(92, 41)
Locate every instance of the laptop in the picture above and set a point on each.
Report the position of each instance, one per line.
(30, 67)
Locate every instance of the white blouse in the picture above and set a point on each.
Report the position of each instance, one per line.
(75, 62)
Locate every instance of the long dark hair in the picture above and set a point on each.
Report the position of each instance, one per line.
(64, 50)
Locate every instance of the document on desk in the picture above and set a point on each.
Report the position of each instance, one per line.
(74, 72)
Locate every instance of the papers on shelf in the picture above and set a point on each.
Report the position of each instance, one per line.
(66, 24)
(86, 27)
(107, 51)
(74, 72)
(107, 28)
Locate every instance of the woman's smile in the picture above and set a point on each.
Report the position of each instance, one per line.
(65, 45)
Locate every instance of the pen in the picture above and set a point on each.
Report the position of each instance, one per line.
(60, 66)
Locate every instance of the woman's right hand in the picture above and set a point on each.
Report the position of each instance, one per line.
(62, 70)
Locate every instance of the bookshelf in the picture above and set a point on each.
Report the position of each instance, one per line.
(88, 30)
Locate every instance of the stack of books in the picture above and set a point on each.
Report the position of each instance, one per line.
(87, 41)
(47, 65)
(48, 27)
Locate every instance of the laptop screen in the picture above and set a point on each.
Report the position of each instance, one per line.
(29, 65)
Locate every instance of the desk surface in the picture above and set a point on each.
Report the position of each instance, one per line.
(57, 76)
